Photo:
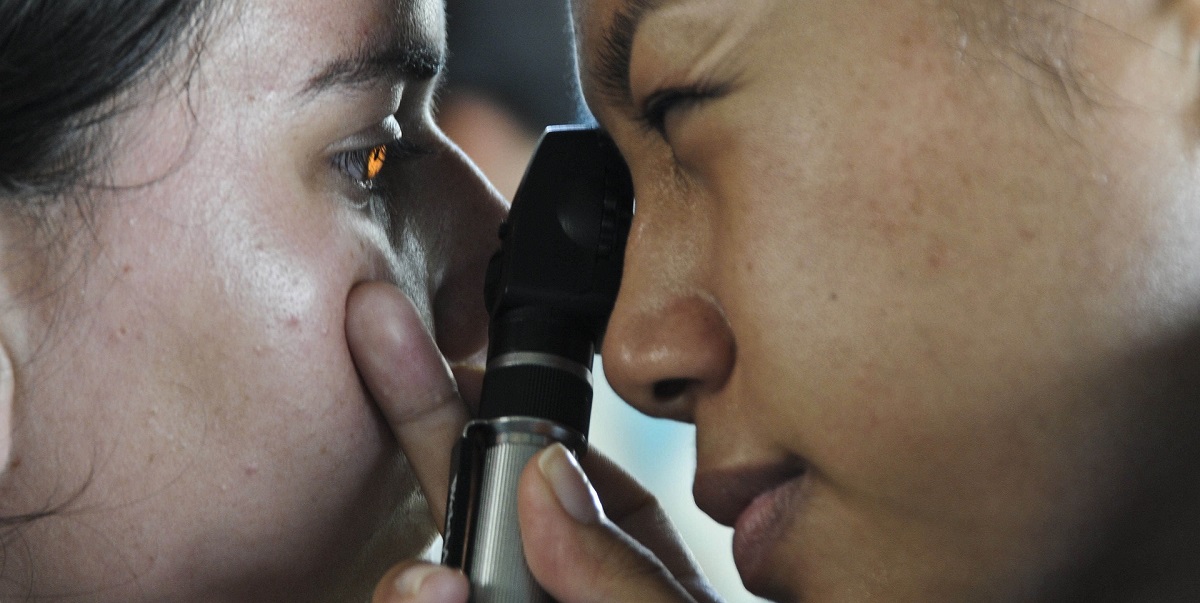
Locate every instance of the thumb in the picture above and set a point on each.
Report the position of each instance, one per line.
(573, 550)
(410, 381)
(419, 582)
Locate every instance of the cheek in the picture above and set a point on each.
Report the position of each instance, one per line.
(925, 296)
(275, 303)
(228, 353)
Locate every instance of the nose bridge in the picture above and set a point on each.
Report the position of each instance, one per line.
(471, 212)
(668, 341)
(668, 241)
(473, 207)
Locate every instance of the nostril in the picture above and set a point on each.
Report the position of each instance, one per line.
(669, 389)
(666, 351)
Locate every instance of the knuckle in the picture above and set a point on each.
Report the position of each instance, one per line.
(629, 571)
(431, 408)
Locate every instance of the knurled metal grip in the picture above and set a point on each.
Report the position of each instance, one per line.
(492, 454)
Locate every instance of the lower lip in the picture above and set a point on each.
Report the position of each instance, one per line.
(759, 527)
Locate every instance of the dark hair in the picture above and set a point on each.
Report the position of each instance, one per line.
(63, 67)
(66, 67)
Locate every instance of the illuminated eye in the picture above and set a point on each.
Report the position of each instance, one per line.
(362, 166)
(375, 159)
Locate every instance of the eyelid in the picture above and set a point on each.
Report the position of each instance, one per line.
(655, 108)
(363, 166)
(383, 132)
(361, 159)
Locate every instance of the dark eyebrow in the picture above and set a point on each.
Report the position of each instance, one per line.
(374, 61)
(611, 69)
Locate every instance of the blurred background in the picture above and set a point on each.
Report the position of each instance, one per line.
(511, 73)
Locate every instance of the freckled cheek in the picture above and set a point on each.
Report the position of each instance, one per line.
(290, 297)
(290, 301)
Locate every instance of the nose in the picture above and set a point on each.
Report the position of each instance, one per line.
(668, 342)
(471, 215)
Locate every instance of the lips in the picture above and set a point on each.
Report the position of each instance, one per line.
(753, 500)
(724, 494)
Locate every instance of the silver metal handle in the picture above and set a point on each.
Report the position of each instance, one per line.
(495, 452)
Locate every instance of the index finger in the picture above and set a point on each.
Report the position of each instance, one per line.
(410, 381)
(637, 512)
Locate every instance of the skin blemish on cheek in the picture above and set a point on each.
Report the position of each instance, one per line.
(913, 49)
(121, 333)
(937, 254)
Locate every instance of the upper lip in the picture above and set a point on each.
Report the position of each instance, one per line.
(723, 494)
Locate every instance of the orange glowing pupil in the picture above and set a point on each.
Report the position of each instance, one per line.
(375, 161)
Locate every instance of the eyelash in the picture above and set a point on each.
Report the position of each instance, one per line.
(362, 169)
(654, 111)
(363, 166)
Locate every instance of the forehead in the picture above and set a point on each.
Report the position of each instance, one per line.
(592, 17)
(322, 20)
(1031, 27)
(277, 44)
(603, 34)
(609, 31)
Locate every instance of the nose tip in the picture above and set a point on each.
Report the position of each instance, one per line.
(663, 359)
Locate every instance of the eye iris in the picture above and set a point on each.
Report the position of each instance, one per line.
(375, 158)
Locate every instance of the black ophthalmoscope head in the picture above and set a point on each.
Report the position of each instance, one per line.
(552, 285)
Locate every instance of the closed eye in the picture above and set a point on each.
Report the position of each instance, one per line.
(660, 105)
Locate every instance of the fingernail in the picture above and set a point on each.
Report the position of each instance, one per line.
(569, 484)
(408, 583)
